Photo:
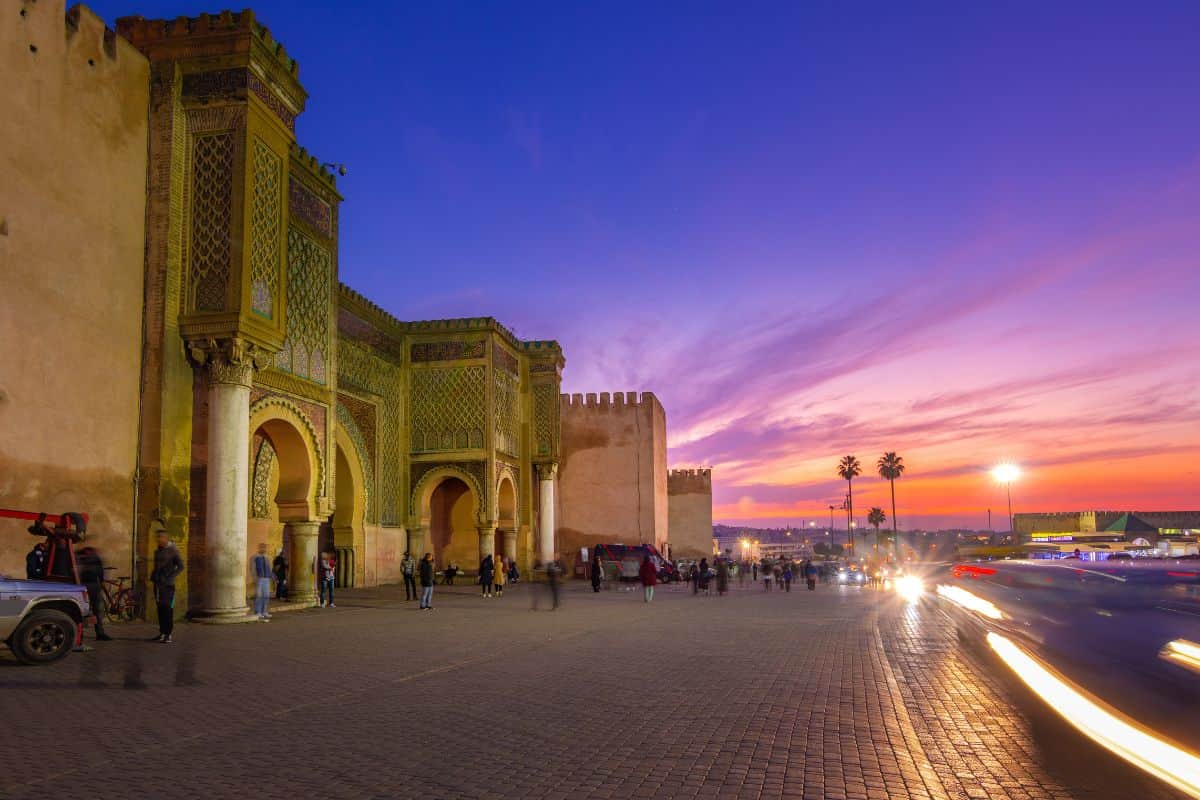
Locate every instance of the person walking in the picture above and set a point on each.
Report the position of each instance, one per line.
(500, 577)
(787, 575)
(722, 577)
(327, 577)
(91, 575)
(553, 569)
(426, 574)
(280, 567)
(514, 574)
(167, 566)
(694, 577)
(408, 568)
(487, 569)
(597, 572)
(705, 575)
(35, 562)
(767, 577)
(262, 581)
(754, 569)
(649, 576)
(810, 575)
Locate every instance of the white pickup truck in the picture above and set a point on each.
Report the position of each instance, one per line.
(41, 621)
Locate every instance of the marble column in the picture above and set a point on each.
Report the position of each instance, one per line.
(487, 541)
(510, 544)
(546, 475)
(302, 576)
(230, 372)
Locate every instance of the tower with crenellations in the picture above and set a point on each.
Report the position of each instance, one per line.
(689, 502)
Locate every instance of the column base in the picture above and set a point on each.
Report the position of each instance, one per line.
(223, 616)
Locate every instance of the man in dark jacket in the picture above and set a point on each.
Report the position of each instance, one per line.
(167, 566)
(408, 568)
(91, 575)
(486, 572)
(35, 562)
(426, 571)
(280, 568)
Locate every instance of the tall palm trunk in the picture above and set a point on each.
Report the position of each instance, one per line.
(895, 533)
(850, 513)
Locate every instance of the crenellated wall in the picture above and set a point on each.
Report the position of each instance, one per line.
(612, 478)
(73, 139)
(689, 501)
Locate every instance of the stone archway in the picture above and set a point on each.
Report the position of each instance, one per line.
(506, 516)
(290, 474)
(448, 504)
(350, 502)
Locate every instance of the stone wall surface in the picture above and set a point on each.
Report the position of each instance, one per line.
(72, 216)
(612, 479)
(689, 500)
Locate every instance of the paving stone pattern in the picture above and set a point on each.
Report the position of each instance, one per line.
(844, 693)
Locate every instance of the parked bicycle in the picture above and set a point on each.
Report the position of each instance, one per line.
(122, 603)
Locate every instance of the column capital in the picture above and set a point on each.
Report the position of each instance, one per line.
(547, 470)
(231, 361)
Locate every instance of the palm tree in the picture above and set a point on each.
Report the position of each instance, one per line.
(891, 467)
(876, 517)
(849, 469)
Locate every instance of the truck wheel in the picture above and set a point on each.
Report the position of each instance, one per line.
(43, 637)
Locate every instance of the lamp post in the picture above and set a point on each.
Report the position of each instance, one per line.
(1006, 474)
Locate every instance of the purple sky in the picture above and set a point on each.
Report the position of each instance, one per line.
(966, 234)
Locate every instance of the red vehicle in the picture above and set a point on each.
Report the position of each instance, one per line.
(624, 561)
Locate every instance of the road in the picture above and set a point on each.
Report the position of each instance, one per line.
(839, 693)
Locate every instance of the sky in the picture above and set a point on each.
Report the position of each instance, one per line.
(967, 233)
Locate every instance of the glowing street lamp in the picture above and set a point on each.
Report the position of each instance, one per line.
(1006, 474)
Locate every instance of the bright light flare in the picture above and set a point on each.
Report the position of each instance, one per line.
(1139, 746)
(910, 587)
(1182, 652)
(1006, 473)
(971, 602)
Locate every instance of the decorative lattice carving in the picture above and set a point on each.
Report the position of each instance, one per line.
(266, 220)
(260, 481)
(447, 408)
(545, 420)
(447, 350)
(504, 360)
(212, 204)
(348, 424)
(507, 413)
(304, 205)
(309, 307)
(361, 369)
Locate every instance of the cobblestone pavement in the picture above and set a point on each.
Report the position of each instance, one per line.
(841, 693)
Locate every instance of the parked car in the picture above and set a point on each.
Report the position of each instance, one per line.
(41, 621)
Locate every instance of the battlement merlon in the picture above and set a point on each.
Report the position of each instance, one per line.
(215, 42)
(607, 400)
(689, 481)
(313, 166)
(79, 36)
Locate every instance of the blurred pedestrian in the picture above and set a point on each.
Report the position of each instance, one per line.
(694, 577)
(767, 577)
(262, 580)
(500, 577)
(91, 575)
(167, 566)
(426, 574)
(408, 568)
(486, 574)
(810, 575)
(597, 572)
(648, 574)
(787, 575)
(449, 574)
(722, 576)
(754, 569)
(514, 574)
(280, 568)
(326, 578)
(553, 569)
(705, 575)
(35, 562)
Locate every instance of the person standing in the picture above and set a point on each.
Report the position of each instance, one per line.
(408, 568)
(486, 573)
(705, 575)
(167, 566)
(694, 577)
(597, 572)
(426, 573)
(35, 562)
(810, 575)
(500, 576)
(262, 580)
(765, 572)
(280, 568)
(326, 576)
(91, 575)
(754, 569)
(787, 575)
(514, 574)
(649, 576)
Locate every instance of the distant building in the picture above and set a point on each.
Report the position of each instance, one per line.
(1098, 534)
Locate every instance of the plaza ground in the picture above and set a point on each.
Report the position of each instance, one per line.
(841, 693)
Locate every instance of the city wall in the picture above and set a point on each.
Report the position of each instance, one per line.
(612, 479)
(689, 502)
(75, 115)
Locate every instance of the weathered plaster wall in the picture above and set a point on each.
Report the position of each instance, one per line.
(73, 140)
(612, 479)
(689, 498)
